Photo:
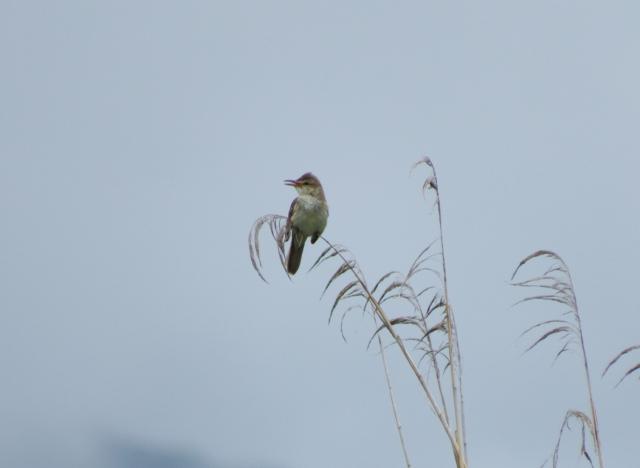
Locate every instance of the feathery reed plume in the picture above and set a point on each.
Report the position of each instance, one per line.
(556, 286)
(630, 371)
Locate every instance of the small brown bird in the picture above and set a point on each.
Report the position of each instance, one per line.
(307, 217)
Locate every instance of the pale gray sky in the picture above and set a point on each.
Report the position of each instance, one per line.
(139, 141)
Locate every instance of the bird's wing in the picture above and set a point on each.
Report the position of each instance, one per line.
(288, 226)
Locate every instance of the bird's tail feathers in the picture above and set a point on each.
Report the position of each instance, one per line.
(295, 252)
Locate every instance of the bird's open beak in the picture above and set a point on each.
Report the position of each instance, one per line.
(291, 183)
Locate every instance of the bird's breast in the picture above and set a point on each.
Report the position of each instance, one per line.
(311, 215)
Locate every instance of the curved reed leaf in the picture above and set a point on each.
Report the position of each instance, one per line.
(382, 279)
(617, 358)
(391, 287)
(433, 306)
(276, 225)
(541, 324)
(345, 294)
(327, 254)
(564, 349)
(628, 373)
(585, 424)
(344, 314)
(442, 326)
(420, 259)
(396, 321)
(547, 334)
(342, 269)
(539, 253)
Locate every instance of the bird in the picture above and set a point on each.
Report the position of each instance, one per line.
(308, 216)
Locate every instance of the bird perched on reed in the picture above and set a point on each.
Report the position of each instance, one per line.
(307, 217)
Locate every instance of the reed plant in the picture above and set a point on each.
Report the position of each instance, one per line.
(555, 285)
(425, 333)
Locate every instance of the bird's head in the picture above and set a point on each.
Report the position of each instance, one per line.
(307, 184)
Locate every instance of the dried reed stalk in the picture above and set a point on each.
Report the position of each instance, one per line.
(557, 287)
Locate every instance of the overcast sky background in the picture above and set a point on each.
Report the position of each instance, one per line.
(139, 141)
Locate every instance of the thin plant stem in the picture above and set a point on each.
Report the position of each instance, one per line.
(396, 417)
(434, 360)
(455, 369)
(594, 416)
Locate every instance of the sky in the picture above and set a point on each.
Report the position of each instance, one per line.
(140, 140)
